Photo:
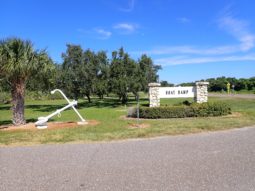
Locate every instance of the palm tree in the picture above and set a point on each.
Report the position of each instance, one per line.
(18, 60)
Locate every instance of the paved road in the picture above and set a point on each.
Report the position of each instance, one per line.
(209, 161)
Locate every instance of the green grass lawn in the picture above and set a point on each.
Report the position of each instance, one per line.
(112, 126)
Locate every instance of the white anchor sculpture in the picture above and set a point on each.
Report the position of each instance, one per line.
(42, 121)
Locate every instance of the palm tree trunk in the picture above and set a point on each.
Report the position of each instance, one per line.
(18, 94)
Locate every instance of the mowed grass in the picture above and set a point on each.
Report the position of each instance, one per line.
(112, 124)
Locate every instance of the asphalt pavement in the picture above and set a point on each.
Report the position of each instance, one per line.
(216, 161)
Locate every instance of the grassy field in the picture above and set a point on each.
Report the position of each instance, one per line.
(109, 112)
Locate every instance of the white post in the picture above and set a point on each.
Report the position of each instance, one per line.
(154, 94)
(201, 92)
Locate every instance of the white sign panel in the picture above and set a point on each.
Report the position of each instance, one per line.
(176, 92)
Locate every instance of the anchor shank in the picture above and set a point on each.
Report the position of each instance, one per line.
(71, 104)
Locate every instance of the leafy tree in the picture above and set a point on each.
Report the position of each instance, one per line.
(18, 61)
(127, 75)
(134, 74)
(87, 73)
(135, 82)
(102, 74)
(4, 86)
(122, 74)
(41, 81)
(251, 83)
(187, 84)
(241, 84)
(148, 71)
(220, 83)
(166, 84)
(118, 77)
(70, 75)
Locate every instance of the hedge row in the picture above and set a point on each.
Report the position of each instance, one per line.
(194, 110)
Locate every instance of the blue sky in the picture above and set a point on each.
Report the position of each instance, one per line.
(190, 39)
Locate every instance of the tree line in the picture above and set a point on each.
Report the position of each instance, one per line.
(84, 73)
(220, 84)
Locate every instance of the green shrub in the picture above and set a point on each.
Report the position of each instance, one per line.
(35, 95)
(5, 98)
(193, 110)
(39, 95)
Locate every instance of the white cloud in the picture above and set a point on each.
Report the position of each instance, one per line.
(239, 29)
(179, 60)
(183, 20)
(186, 54)
(236, 27)
(164, 50)
(126, 28)
(96, 33)
(103, 34)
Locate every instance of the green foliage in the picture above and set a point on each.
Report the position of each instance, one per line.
(210, 109)
(84, 73)
(19, 62)
(5, 97)
(39, 95)
(148, 71)
(187, 84)
(220, 84)
(127, 75)
(102, 75)
(69, 72)
(166, 84)
(123, 72)
(43, 81)
(35, 95)
(194, 110)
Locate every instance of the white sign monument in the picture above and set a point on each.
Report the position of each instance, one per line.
(198, 92)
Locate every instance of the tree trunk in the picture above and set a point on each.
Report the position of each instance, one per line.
(124, 99)
(18, 94)
(88, 98)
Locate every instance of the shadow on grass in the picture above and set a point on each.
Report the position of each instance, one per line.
(5, 107)
(100, 103)
(109, 102)
(44, 108)
(85, 104)
(145, 104)
(95, 102)
(5, 122)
